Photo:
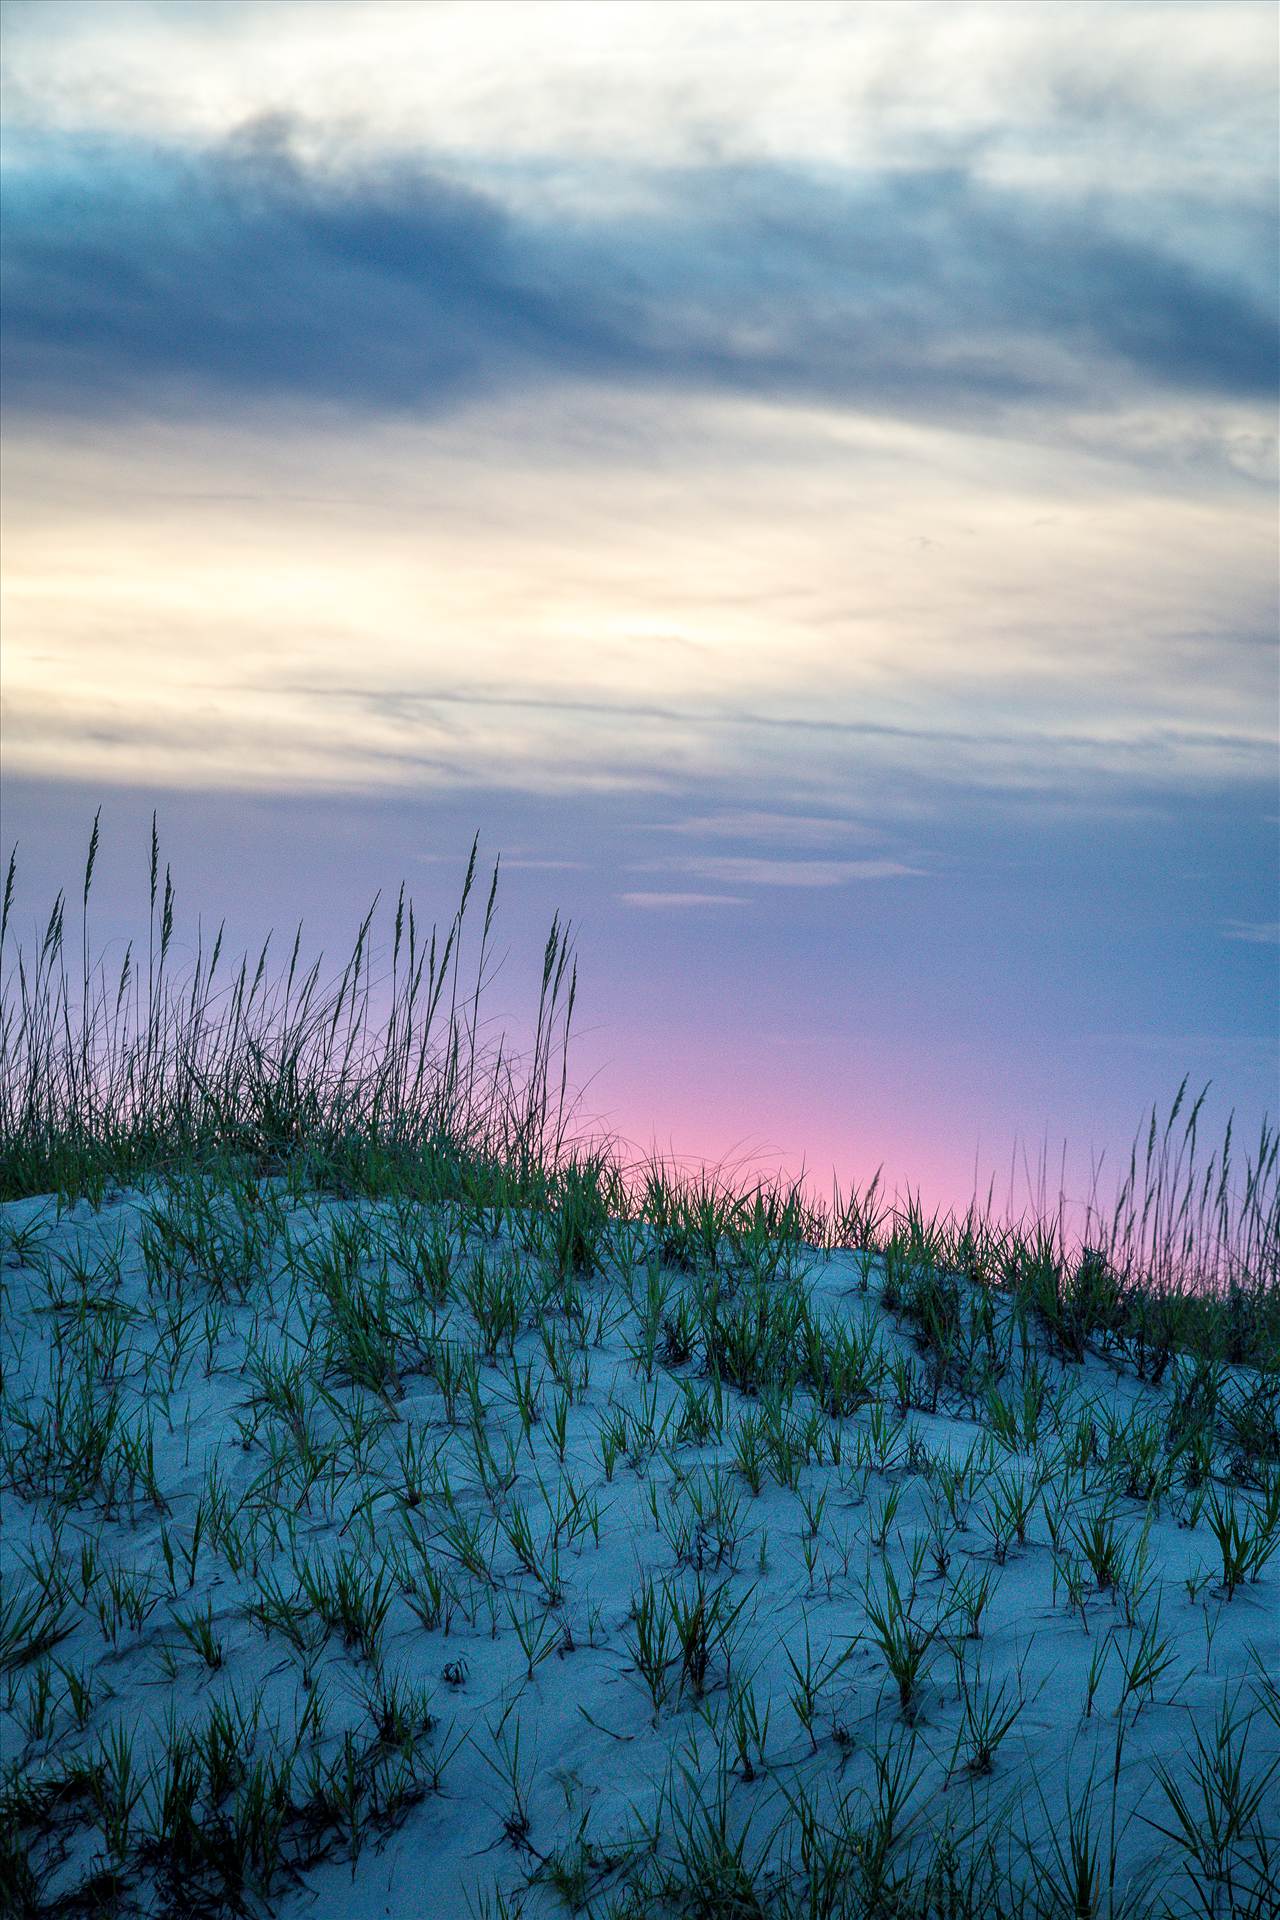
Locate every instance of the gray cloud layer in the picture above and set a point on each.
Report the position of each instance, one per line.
(150, 278)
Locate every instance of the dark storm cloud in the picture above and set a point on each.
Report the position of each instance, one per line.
(149, 278)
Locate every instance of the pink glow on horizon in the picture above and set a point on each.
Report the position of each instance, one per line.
(944, 1161)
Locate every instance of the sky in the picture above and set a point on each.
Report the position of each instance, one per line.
(798, 480)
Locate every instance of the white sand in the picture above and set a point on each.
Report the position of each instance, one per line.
(599, 1764)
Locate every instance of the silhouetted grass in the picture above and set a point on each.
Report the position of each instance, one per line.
(376, 1077)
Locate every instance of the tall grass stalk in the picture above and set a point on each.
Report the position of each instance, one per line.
(112, 1075)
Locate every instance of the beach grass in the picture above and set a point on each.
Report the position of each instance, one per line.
(409, 1503)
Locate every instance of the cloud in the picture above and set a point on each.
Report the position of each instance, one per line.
(548, 866)
(1081, 97)
(1258, 932)
(747, 870)
(1127, 748)
(150, 279)
(660, 900)
(785, 829)
(174, 278)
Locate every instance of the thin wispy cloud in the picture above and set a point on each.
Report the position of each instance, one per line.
(660, 900)
(1262, 933)
(779, 829)
(751, 870)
